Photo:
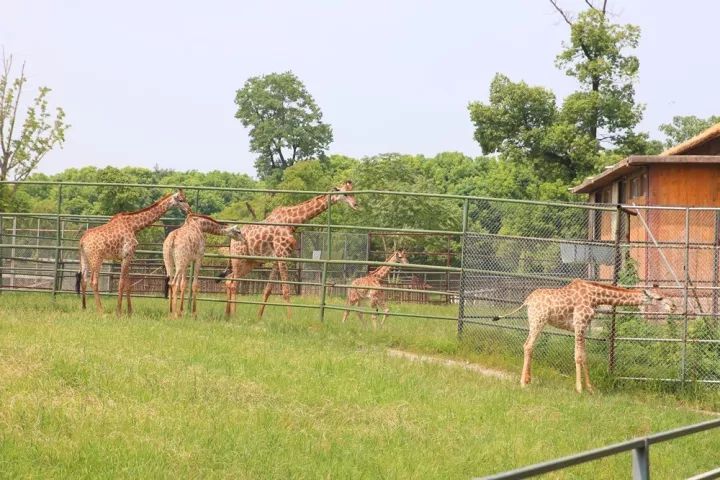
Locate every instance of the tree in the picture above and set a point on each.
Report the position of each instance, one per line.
(593, 126)
(284, 120)
(24, 142)
(523, 124)
(685, 127)
(604, 107)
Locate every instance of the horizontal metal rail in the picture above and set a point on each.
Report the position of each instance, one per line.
(639, 446)
(193, 188)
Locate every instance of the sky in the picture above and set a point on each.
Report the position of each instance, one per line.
(147, 83)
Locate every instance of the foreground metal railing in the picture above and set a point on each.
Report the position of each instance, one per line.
(640, 448)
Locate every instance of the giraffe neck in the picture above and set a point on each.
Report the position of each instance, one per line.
(305, 211)
(147, 216)
(615, 296)
(383, 271)
(208, 225)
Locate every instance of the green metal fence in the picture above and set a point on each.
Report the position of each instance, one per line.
(502, 249)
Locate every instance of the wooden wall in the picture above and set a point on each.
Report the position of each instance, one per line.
(694, 185)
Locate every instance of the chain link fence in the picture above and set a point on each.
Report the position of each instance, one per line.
(511, 250)
(494, 253)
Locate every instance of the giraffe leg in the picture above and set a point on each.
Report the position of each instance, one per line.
(195, 286)
(183, 284)
(128, 291)
(239, 268)
(285, 287)
(374, 304)
(124, 280)
(381, 304)
(351, 301)
(526, 375)
(95, 284)
(581, 319)
(230, 286)
(268, 288)
(535, 323)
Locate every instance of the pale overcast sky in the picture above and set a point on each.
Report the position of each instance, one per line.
(153, 82)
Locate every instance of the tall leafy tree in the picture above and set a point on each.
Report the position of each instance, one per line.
(685, 127)
(597, 55)
(25, 139)
(592, 127)
(285, 122)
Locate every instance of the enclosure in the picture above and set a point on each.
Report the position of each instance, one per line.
(489, 257)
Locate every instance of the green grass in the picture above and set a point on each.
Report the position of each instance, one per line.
(83, 395)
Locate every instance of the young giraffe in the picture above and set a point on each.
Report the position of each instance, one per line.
(366, 289)
(572, 307)
(276, 241)
(184, 246)
(116, 240)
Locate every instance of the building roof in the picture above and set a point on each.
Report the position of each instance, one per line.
(702, 137)
(672, 155)
(634, 162)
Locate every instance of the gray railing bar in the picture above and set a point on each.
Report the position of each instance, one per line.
(639, 443)
(707, 475)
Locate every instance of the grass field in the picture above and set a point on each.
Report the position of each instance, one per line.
(84, 395)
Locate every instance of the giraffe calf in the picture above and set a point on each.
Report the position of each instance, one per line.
(572, 308)
(367, 288)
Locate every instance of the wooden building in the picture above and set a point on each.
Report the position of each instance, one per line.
(687, 175)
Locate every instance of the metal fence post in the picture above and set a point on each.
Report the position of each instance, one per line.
(58, 243)
(617, 265)
(716, 266)
(461, 293)
(323, 275)
(641, 462)
(683, 370)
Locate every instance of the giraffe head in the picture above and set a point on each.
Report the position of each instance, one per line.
(233, 231)
(398, 257)
(654, 296)
(340, 194)
(179, 200)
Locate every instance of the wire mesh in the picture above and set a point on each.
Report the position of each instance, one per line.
(512, 250)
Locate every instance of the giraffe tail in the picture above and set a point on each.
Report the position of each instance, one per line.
(78, 279)
(166, 287)
(496, 318)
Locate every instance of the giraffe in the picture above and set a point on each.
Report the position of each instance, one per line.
(572, 308)
(185, 245)
(267, 240)
(116, 240)
(366, 289)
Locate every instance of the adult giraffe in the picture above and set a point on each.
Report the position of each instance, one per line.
(267, 240)
(572, 307)
(116, 240)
